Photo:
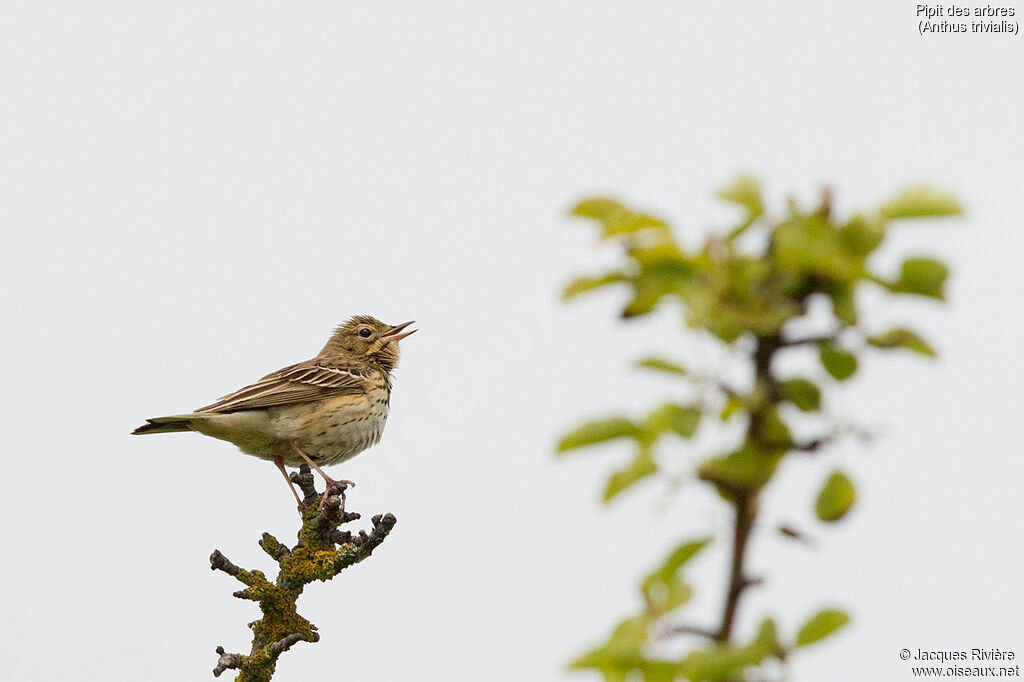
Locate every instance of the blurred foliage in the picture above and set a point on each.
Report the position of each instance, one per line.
(743, 287)
(821, 625)
(836, 497)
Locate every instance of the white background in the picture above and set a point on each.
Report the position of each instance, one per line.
(193, 194)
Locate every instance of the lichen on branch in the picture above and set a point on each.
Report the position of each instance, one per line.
(323, 550)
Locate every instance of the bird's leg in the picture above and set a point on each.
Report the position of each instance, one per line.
(329, 481)
(279, 461)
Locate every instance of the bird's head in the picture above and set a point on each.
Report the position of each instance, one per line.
(367, 338)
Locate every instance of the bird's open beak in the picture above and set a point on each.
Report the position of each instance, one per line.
(394, 334)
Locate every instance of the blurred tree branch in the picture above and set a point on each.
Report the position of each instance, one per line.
(323, 550)
(736, 290)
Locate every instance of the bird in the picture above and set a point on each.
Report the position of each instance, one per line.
(321, 412)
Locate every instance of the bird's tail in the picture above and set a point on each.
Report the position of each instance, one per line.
(164, 425)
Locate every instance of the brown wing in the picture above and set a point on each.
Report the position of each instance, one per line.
(299, 383)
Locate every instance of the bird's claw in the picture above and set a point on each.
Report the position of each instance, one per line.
(340, 486)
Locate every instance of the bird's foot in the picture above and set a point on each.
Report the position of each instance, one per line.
(342, 484)
(327, 479)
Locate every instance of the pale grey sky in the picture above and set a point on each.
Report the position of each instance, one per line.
(193, 194)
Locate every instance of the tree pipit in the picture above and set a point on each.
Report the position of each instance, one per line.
(322, 411)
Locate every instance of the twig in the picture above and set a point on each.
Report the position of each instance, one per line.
(690, 630)
(794, 534)
(738, 582)
(809, 340)
(323, 551)
(744, 500)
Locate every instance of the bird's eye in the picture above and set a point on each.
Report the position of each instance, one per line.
(365, 333)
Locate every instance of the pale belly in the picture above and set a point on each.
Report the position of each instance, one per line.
(329, 431)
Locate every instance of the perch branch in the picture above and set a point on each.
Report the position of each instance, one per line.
(322, 551)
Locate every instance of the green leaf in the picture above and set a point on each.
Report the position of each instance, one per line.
(582, 285)
(861, 235)
(664, 589)
(623, 658)
(623, 648)
(724, 662)
(719, 663)
(744, 469)
(902, 338)
(682, 554)
(599, 431)
(663, 595)
(823, 624)
(647, 293)
(745, 191)
(774, 433)
(663, 271)
(844, 303)
(662, 365)
(681, 419)
(810, 244)
(921, 202)
(599, 208)
(836, 497)
(642, 466)
(802, 393)
(836, 361)
(630, 223)
(664, 255)
(616, 218)
(922, 276)
(766, 642)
